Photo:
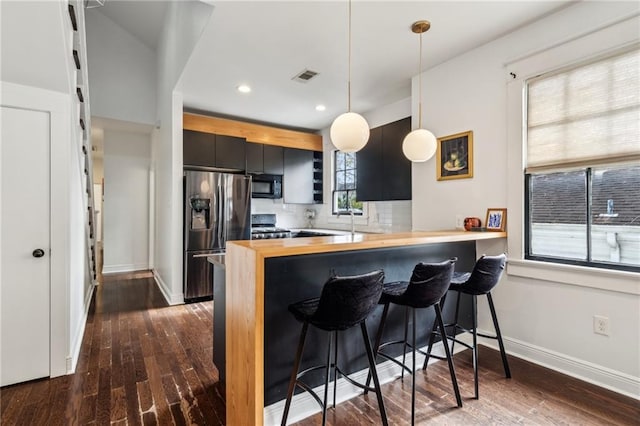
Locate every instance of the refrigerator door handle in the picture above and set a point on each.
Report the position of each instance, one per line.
(207, 254)
(221, 208)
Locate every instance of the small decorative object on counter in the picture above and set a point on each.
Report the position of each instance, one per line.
(496, 219)
(471, 222)
(310, 215)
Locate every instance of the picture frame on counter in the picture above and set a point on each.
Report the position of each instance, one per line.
(496, 219)
(454, 156)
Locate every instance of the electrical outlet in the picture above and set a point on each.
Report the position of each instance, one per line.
(601, 325)
(459, 221)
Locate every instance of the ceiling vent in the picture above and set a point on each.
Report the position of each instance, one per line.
(305, 76)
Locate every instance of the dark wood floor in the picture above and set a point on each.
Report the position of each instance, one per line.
(143, 362)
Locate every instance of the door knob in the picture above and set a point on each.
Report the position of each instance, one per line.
(38, 253)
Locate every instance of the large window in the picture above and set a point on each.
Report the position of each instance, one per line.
(344, 184)
(583, 164)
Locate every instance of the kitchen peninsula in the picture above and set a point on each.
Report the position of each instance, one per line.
(264, 276)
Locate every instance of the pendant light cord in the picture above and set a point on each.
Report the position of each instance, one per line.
(349, 61)
(420, 86)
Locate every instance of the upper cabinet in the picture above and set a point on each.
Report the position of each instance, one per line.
(383, 172)
(369, 170)
(230, 152)
(208, 150)
(273, 160)
(302, 176)
(198, 149)
(254, 148)
(266, 159)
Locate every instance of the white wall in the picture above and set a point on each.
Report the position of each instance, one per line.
(122, 72)
(548, 320)
(98, 169)
(127, 158)
(26, 60)
(184, 23)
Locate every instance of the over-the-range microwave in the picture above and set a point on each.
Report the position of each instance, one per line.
(266, 186)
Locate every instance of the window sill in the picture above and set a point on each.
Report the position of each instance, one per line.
(603, 279)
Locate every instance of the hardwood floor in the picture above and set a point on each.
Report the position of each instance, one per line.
(143, 362)
(534, 396)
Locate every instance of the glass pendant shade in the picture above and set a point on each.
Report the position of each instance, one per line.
(349, 132)
(419, 145)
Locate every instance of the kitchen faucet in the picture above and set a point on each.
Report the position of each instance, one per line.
(353, 225)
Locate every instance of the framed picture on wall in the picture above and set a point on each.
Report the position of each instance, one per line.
(455, 156)
(496, 220)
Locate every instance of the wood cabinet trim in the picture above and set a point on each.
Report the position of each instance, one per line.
(299, 246)
(256, 133)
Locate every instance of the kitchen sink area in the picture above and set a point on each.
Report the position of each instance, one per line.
(317, 232)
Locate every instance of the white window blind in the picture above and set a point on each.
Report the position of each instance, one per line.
(584, 116)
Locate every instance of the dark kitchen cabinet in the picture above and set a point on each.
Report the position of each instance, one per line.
(317, 177)
(273, 159)
(230, 152)
(396, 184)
(301, 173)
(383, 172)
(209, 150)
(369, 171)
(198, 149)
(268, 159)
(255, 154)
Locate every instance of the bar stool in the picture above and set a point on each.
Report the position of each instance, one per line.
(344, 303)
(484, 277)
(428, 284)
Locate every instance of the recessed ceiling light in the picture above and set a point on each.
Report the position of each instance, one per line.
(320, 107)
(243, 88)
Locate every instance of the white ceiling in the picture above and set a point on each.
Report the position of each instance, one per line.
(266, 43)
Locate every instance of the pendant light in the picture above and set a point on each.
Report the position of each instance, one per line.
(349, 131)
(419, 145)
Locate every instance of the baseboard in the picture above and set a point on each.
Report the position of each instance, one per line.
(607, 378)
(164, 289)
(72, 360)
(115, 269)
(303, 405)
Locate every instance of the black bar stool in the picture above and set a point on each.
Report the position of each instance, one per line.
(428, 284)
(344, 303)
(484, 277)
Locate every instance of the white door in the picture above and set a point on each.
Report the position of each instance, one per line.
(25, 223)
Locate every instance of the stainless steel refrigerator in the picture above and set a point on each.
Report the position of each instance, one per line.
(217, 209)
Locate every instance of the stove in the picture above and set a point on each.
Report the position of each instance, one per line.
(263, 227)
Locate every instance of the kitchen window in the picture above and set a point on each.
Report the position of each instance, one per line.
(582, 173)
(344, 184)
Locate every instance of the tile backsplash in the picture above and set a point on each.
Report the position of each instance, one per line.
(288, 215)
(380, 216)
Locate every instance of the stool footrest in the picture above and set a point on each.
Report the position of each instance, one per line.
(353, 382)
(453, 339)
(392, 359)
(307, 388)
(309, 370)
(488, 336)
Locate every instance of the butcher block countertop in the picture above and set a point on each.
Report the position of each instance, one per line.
(245, 302)
(296, 246)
